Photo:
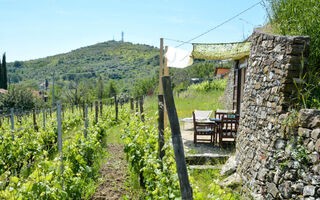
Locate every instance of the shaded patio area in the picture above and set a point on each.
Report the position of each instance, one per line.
(208, 150)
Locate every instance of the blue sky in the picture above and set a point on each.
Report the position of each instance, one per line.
(39, 28)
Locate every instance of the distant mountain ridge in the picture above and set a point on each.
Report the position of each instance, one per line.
(123, 62)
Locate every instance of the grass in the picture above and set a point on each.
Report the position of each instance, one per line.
(205, 184)
(114, 134)
(189, 101)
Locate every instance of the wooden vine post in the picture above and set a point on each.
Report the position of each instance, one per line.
(186, 190)
(141, 108)
(161, 104)
(101, 108)
(96, 106)
(12, 118)
(44, 118)
(161, 126)
(86, 120)
(131, 104)
(34, 120)
(137, 105)
(166, 73)
(161, 65)
(60, 134)
(116, 106)
(84, 110)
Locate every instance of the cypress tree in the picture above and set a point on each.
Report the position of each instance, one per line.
(5, 76)
(1, 75)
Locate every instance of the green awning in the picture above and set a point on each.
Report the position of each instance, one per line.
(222, 51)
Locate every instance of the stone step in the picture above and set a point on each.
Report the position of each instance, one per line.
(204, 167)
(206, 159)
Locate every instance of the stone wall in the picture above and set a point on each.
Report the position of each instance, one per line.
(228, 91)
(272, 158)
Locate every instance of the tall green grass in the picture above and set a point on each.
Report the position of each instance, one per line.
(218, 84)
(301, 17)
(188, 101)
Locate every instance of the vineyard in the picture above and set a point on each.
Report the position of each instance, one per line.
(31, 166)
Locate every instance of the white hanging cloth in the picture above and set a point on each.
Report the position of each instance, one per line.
(178, 58)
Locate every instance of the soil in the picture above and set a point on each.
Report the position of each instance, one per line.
(113, 174)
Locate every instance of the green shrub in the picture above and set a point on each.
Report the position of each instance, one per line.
(19, 98)
(301, 17)
(205, 86)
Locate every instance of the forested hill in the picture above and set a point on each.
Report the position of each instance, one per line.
(122, 61)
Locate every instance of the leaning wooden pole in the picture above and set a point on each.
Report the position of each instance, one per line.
(186, 190)
(161, 66)
(166, 73)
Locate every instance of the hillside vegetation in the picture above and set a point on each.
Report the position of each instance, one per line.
(84, 74)
(120, 61)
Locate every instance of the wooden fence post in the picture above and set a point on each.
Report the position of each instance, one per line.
(60, 134)
(35, 120)
(186, 190)
(161, 126)
(141, 108)
(131, 104)
(96, 106)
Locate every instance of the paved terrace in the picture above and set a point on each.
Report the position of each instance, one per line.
(208, 151)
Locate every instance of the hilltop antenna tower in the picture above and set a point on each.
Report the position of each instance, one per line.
(122, 36)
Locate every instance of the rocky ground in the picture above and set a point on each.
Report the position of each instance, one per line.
(113, 174)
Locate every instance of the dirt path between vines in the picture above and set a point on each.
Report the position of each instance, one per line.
(113, 174)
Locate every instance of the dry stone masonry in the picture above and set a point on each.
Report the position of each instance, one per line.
(277, 149)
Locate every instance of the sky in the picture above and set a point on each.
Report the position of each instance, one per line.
(33, 29)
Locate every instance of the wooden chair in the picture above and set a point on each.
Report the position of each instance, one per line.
(228, 129)
(218, 114)
(203, 129)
